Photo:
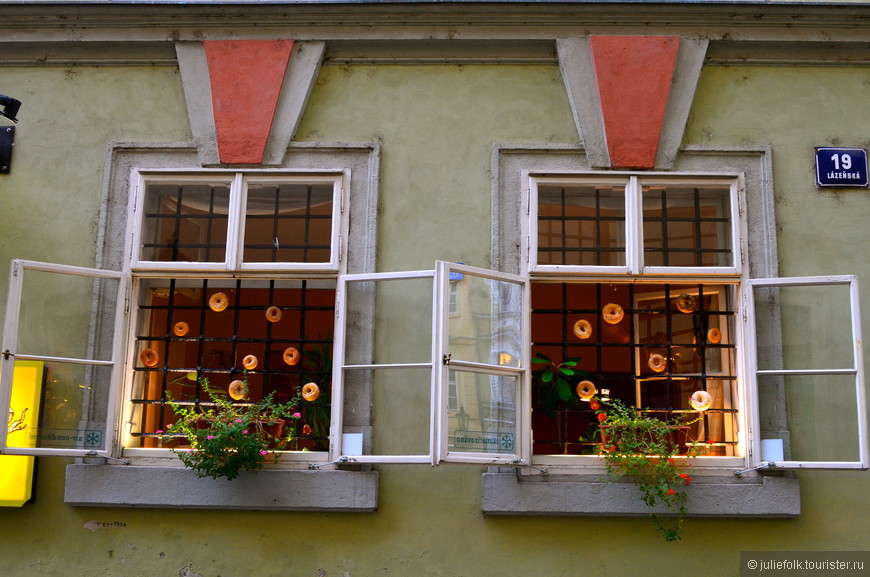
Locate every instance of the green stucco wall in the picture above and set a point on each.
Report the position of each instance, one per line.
(437, 125)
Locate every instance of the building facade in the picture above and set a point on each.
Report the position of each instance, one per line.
(421, 208)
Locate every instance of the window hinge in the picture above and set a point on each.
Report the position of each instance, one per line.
(7, 354)
(340, 460)
(544, 471)
(95, 454)
(15, 268)
(765, 465)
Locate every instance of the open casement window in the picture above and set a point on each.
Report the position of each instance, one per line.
(60, 358)
(235, 221)
(807, 372)
(441, 354)
(634, 224)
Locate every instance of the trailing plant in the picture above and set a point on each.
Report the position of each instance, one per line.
(226, 436)
(647, 451)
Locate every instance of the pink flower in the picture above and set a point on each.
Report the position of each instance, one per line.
(210, 437)
(158, 432)
(297, 415)
(245, 432)
(238, 420)
(264, 452)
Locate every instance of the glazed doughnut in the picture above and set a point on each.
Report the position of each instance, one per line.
(149, 357)
(685, 303)
(180, 328)
(273, 314)
(701, 400)
(218, 302)
(582, 329)
(291, 356)
(310, 392)
(250, 362)
(714, 335)
(612, 313)
(586, 390)
(657, 362)
(238, 390)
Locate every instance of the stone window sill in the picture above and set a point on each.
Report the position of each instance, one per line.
(506, 493)
(93, 485)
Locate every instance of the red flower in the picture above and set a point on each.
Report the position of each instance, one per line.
(594, 405)
(602, 417)
(672, 462)
(306, 430)
(686, 478)
(669, 492)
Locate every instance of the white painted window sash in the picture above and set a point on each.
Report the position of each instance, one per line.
(10, 354)
(856, 370)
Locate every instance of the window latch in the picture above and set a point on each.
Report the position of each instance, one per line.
(446, 359)
(765, 465)
(7, 354)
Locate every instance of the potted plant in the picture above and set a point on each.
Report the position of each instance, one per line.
(226, 436)
(647, 451)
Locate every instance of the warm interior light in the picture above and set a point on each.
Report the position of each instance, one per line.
(16, 471)
(504, 358)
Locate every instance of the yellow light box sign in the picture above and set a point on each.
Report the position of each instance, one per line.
(16, 471)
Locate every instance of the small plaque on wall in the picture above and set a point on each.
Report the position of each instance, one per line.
(840, 167)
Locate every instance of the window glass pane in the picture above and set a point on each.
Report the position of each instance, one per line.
(288, 223)
(400, 330)
(185, 222)
(820, 421)
(60, 405)
(485, 419)
(804, 327)
(487, 324)
(401, 401)
(687, 226)
(581, 225)
(274, 334)
(650, 345)
(59, 315)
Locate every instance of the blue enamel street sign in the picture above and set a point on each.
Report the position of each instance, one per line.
(841, 166)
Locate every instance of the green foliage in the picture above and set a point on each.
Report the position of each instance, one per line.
(555, 382)
(645, 450)
(226, 437)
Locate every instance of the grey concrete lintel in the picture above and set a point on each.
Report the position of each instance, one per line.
(96, 485)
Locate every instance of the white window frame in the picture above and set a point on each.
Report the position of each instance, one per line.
(10, 353)
(233, 267)
(238, 181)
(856, 370)
(634, 241)
(439, 363)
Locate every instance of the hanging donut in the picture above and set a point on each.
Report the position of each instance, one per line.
(250, 362)
(180, 328)
(586, 390)
(701, 400)
(612, 313)
(238, 390)
(149, 357)
(714, 335)
(273, 314)
(310, 392)
(218, 302)
(582, 329)
(291, 356)
(657, 362)
(685, 303)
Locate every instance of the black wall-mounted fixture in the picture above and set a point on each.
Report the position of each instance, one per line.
(9, 110)
(10, 107)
